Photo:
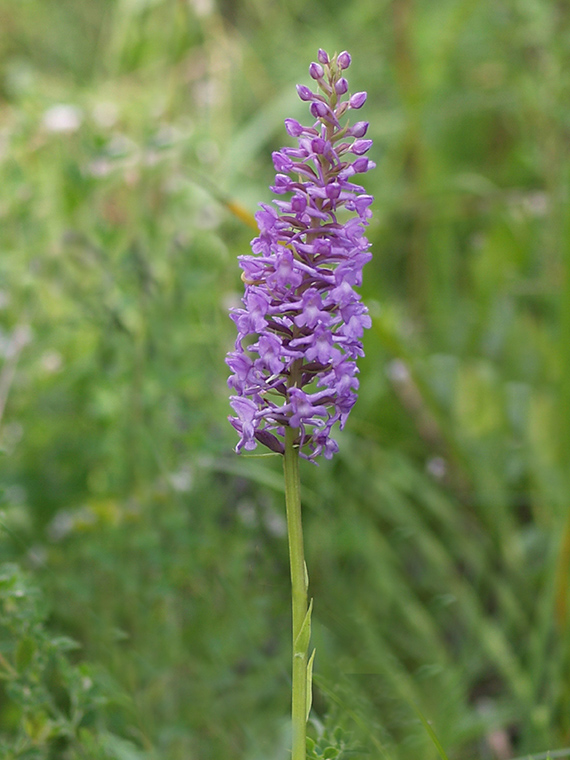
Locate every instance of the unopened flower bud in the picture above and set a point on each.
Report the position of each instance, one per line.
(304, 92)
(316, 71)
(341, 86)
(344, 60)
(357, 100)
(320, 110)
(361, 165)
(281, 163)
(358, 130)
(294, 128)
(361, 146)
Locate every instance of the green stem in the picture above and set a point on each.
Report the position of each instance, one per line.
(299, 584)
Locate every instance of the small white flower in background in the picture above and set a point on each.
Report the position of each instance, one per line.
(182, 480)
(202, 8)
(397, 371)
(66, 521)
(437, 467)
(105, 114)
(51, 361)
(99, 168)
(62, 117)
(60, 525)
(247, 513)
(275, 523)
(37, 556)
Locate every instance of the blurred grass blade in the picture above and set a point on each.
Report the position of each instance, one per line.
(552, 755)
(235, 208)
(431, 733)
(562, 579)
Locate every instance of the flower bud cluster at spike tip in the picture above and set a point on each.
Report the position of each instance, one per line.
(299, 333)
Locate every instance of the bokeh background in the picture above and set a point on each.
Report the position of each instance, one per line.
(438, 539)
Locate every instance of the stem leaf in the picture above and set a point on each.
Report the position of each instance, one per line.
(304, 635)
(310, 682)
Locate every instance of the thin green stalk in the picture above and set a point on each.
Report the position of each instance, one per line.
(299, 586)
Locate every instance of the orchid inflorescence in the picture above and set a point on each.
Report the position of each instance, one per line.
(299, 333)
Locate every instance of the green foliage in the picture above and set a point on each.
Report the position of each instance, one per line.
(52, 708)
(337, 750)
(437, 541)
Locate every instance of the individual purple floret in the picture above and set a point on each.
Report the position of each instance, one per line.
(294, 363)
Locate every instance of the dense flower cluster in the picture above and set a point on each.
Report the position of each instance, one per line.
(299, 334)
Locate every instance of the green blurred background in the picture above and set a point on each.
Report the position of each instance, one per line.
(438, 539)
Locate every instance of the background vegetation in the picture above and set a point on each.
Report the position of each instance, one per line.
(438, 539)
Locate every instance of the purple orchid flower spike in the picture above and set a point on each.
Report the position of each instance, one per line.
(299, 333)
